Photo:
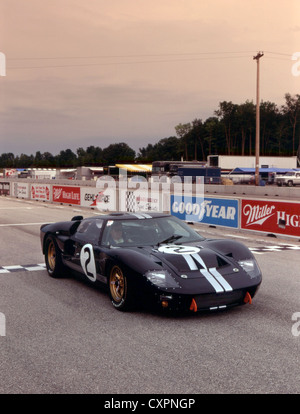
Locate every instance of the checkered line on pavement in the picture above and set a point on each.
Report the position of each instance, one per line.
(42, 266)
(22, 268)
(274, 248)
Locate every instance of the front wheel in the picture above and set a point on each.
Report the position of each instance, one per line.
(290, 183)
(120, 289)
(53, 259)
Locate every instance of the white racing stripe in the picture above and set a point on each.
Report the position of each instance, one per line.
(220, 279)
(190, 262)
(211, 275)
(208, 276)
(199, 260)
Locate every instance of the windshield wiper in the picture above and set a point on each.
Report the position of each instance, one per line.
(170, 239)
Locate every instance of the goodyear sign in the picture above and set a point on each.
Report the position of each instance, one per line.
(213, 211)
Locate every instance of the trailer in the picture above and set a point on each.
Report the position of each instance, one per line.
(211, 175)
(230, 162)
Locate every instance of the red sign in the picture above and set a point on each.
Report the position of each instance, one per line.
(271, 216)
(40, 192)
(64, 194)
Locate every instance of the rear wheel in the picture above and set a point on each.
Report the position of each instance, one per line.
(120, 289)
(290, 183)
(53, 259)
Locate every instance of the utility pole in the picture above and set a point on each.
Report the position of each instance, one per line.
(257, 137)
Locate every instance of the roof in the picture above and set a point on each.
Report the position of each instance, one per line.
(261, 170)
(128, 216)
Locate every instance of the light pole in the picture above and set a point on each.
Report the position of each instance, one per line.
(257, 138)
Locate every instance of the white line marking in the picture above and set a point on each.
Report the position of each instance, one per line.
(237, 237)
(16, 208)
(23, 224)
(12, 267)
(33, 268)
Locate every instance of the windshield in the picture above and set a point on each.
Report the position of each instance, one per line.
(148, 232)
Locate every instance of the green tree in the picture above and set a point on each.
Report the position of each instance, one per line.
(182, 131)
(211, 126)
(7, 160)
(246, 124)
(226, 114)
(268, 123)
(115, 153)
(24, 161)
(292, 110)
(66, 158)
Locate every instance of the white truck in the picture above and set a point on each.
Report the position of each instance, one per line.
(290, 179)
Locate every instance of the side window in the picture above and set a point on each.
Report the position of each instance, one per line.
(113, 233)
(89, 230)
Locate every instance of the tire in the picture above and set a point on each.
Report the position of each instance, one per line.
(290, 183)
(54, 265)
(119, 289)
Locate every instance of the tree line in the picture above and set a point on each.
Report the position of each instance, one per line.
(230, 131)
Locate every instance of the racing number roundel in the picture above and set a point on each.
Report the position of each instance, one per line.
(174, 249)
(87, 261)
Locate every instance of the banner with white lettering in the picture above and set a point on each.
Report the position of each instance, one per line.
(66, 194)
(271, 216)
(40, 192)
(213, 211)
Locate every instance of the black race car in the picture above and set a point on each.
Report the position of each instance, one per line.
(156, 256)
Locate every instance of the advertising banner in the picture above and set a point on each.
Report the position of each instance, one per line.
(20, 190)
(4, 188)
(40, 192)
(213, 211)
(66, 194)
(139, 201)
(103, 200)
(271, 216)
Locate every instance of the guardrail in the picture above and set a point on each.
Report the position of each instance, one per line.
(240, 207)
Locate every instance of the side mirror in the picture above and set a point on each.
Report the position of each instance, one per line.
(77, 218)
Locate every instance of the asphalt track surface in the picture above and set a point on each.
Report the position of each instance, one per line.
(63, 336)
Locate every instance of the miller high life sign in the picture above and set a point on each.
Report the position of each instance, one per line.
(271, 216)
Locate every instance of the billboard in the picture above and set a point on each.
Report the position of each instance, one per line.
(103, 200)
(20, 190)
(4, 188)
(66, 194)
(277, 217)
(40, 192)
(213, 211)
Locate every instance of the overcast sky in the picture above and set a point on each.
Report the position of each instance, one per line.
(95, 72)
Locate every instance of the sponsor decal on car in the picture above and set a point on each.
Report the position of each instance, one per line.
(87, 261)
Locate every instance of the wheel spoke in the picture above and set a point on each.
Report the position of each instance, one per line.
(117, 284)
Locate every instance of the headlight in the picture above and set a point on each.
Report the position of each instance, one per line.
(161, 279)
(250, 266)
